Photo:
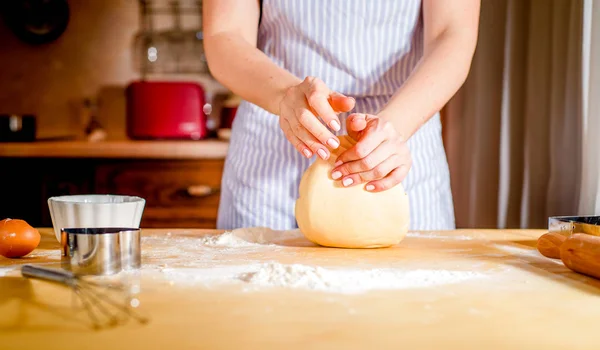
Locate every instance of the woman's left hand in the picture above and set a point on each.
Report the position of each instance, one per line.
(380, 158)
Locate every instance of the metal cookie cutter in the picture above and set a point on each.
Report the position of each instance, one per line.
(100, 251)
(569, 225)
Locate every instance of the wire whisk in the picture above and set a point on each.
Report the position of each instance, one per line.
(95, 297)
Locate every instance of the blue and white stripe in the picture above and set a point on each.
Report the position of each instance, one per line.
(364, 49)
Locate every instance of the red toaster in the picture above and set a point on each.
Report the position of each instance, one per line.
(165, 110)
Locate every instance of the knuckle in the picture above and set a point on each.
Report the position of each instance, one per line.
(349, 168)
(384, 185)
(316, 81)
(317, 85)
(297, 128)
(304, 117)
(312, 145)
(361, 151)
(378, 172)
(346, 169)
(322, 135)
(314, 97)
(387, 127)
(366, 163)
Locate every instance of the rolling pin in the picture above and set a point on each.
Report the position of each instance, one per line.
(581, 253)
(549, 244)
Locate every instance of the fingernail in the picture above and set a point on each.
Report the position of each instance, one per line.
(307, 153)
(334, 125)
(336, 175)
(322, 153)
(333, 143)
(347, 182)
(370, 187)
(338, 163)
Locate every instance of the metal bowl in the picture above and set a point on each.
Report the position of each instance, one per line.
(95, 210)
(100, 251)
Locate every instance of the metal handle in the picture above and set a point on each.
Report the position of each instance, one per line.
(200, 191)
(48, 274)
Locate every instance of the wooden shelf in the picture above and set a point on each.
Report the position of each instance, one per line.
(206, 149)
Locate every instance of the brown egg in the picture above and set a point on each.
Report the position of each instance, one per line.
(17, 238)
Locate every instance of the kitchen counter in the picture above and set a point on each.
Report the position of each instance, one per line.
(154, 149)
(514, 299)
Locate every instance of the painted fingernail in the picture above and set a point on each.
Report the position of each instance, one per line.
(336, 175)
(370, 187)
(338, 163)
(334, 125)
(347, 182)
(307, 153)
(322, 153)
(333, 143)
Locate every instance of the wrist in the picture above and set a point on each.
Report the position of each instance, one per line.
(400, 123)
(283, 92)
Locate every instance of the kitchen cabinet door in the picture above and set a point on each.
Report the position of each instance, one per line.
(179, 194)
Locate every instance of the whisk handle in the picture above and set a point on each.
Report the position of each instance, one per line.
(48, 274)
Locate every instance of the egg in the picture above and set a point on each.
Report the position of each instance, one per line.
(17, 238)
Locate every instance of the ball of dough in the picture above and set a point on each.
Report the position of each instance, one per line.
(331, 215)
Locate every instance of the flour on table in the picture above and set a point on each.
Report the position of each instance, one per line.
(237, 258)
(295, 276)
(5, 270)
(315, 278)
(351, 280)
(227, 239)
(217, 260)
(247, 237)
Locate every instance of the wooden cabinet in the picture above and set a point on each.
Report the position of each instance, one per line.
(178, 193)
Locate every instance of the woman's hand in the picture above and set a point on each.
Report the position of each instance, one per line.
(299, 113)
(380, 157)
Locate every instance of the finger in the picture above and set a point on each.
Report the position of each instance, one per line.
(310, 122)
(308, 139)
(368, 163)
(394, 178)
(367, 143)
(317, 96)
(341, 103)
(356, 122)
(294, 140)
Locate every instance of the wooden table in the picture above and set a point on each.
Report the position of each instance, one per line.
(521, 301)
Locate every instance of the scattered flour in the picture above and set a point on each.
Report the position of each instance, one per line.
(314, 278)
(238, 258)
(5, 270)
(227, 239)
(216, 260)
(351, 280)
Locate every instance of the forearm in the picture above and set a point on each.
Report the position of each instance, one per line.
(247, 71)
(440, 73)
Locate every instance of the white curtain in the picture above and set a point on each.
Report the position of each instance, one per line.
(513, 132)
(590, 180)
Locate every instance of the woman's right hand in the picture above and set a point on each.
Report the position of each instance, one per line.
(299, 113)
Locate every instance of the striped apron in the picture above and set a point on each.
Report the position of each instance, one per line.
(364, 49)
